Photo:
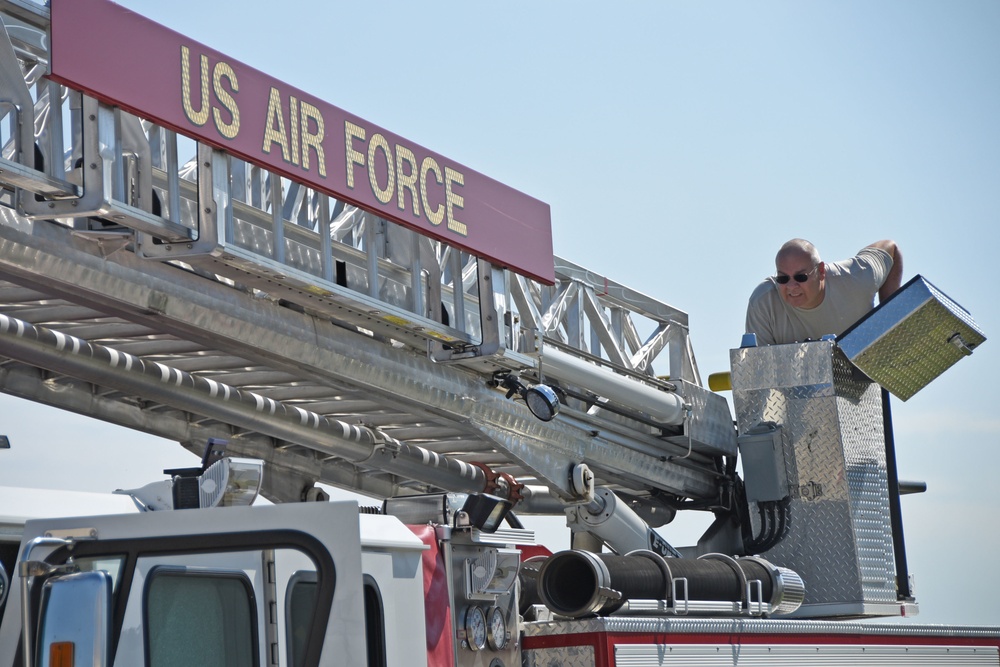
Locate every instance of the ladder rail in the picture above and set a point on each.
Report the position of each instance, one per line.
(138, 184)
(162, 198)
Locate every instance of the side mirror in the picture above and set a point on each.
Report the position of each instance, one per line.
(4, 585)
(75, 620)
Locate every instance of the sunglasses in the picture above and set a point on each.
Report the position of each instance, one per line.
(799, 277)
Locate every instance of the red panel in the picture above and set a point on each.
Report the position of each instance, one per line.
(437, 607)
(533, 550)
(123, 58)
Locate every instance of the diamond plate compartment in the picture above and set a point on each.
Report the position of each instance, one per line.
(911, 339)
(839, 535)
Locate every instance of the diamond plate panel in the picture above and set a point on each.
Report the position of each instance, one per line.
(711, 425)
(839, 536)
(561, 656)
(911, 339)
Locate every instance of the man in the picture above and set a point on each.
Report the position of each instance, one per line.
(808, 298)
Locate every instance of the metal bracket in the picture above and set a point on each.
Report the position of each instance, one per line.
(491, 320)
(16, 99)
(115, 170)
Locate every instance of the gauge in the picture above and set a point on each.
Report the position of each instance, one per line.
(475, 628)
(497, 630)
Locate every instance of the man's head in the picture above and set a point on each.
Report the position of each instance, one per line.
(801, 275)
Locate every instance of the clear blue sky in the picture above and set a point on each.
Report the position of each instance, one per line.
(679, 144)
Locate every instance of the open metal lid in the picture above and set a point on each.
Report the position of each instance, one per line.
(917, 334)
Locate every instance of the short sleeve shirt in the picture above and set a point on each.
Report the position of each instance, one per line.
(851, 286)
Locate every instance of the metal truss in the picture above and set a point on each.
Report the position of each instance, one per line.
(132, 241)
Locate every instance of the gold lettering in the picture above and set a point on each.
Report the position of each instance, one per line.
(352, 132)
(293, 117)
(309, 112)
(383, 195)
(230, 130)
(407, 179)
(434, 216)
(272, 134)
(454, 200)
(199, 117)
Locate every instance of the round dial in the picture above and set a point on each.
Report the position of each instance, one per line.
(475, 628)
(498, 629)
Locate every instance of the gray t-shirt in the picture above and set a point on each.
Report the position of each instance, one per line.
(851, 286)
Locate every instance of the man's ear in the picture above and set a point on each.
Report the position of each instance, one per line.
(821, 270)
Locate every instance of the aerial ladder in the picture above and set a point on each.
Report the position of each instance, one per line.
(152, 279)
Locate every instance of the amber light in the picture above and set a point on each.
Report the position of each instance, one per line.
(61, 654)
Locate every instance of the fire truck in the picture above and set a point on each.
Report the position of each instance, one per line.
(196, 250)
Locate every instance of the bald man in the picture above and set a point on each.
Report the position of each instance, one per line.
(808, 298)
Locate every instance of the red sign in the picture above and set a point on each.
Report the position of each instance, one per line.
(125, 59)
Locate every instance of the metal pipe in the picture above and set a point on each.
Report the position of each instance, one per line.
(537, 499)
(617, 525)
(903, 591)
(663, 406)
(127, 373)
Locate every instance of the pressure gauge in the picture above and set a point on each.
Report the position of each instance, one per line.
(475, 628)
(498, 630)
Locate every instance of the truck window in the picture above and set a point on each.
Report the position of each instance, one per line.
(110, 564)
(374, 623)
(199, 618)
(300, 604)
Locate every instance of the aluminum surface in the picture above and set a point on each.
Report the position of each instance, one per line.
(839, 537)
(750, 626)
(912, 338)
(93, 287)
(770, 655)
(563, 656)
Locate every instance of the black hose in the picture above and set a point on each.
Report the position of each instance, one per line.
(527, 578)
(579, 583)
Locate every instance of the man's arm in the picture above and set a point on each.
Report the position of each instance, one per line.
(758, 321)
(895, 277)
